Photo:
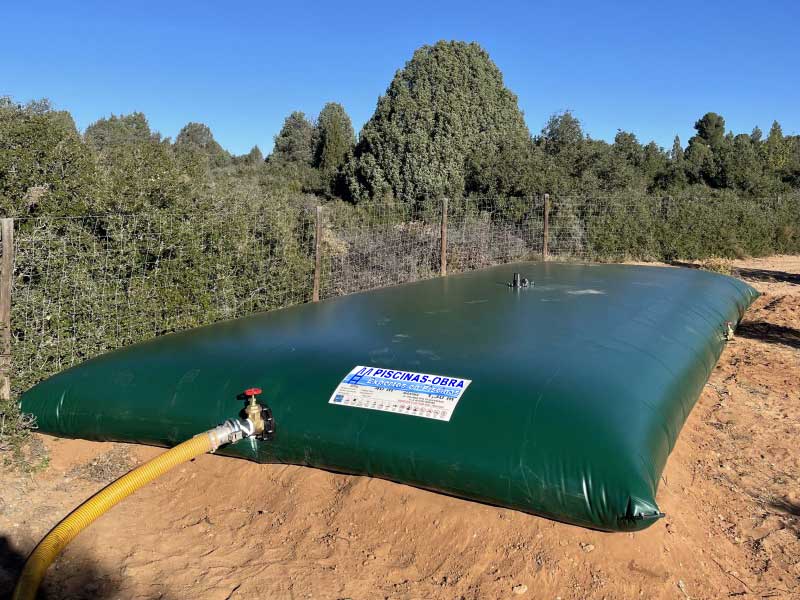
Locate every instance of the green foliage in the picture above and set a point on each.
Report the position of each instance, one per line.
(118, 131)
(44, 166)
(197, 138)
(442, 119)
(687, 227)
(335, 141)
(255, 156)
(97, 283)
(677, 151)
(777, 150)
(711, 129)
(447, 126)
(295, 142)
(291, 163)
(562, 133)
(140, 171)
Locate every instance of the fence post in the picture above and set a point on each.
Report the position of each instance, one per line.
(546, 228)
(6, 278)
(443, 249)
(317, 255)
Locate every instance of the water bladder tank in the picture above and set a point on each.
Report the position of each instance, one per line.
(563, 398)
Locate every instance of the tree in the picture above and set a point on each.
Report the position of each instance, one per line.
(295, 141)
(700, 166)
(628, 147)
(711, 130)
(777, 150)
(335, 139)
(704, 155)
(677, 150)
(140, 171)
(672, 174)
(562, 132)
(567, 153)
(44, 166)
(197, 137)
(255, 156)
(743, 166)
(118, 131)
(439, 124)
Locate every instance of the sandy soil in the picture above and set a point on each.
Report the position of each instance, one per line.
(220, 528)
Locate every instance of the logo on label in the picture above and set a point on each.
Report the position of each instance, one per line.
(404, 392)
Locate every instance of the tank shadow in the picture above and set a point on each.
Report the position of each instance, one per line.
(769, 333)
(787, 506)
(768, 276)
(791, 511)
(765, 275)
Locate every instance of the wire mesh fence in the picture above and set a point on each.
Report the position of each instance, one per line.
(385, 244)
(86, 285)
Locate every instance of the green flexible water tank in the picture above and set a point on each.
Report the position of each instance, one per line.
(563, 398)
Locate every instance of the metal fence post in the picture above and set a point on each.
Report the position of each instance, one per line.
(443, 249)
(546, 227)
(317, 255)
(6, 278)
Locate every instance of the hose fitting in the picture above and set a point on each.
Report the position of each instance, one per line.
(231, 431)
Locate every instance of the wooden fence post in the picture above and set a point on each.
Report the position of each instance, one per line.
(6, 278)
(443, 249)
(317, 254)
(546, 228)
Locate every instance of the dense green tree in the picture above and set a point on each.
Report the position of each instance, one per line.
(677, 150)
(562, 132)
(197, 137)
(655, 161)
(794, 169)
(118, 131)
(711, 130)
(575, 164)
(140, 171)
(672, 175)
(510, 170)
(291, 164)
(255, 155)
(699, 161)
(44, 166)
(704, 155)
(444, 115)
(335, 140)
(628, 147)
(743, 166)
(777, 151)
(296, 141)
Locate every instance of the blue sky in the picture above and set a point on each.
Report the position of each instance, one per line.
(648, 67)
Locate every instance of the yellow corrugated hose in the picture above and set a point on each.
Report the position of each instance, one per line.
(63, 533)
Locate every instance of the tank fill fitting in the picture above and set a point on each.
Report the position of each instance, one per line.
(519, 282)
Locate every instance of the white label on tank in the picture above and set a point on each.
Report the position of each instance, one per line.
(402, 392)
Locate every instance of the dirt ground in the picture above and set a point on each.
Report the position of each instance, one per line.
(221, 529)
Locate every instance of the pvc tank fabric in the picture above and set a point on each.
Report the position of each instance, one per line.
(573, 390)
